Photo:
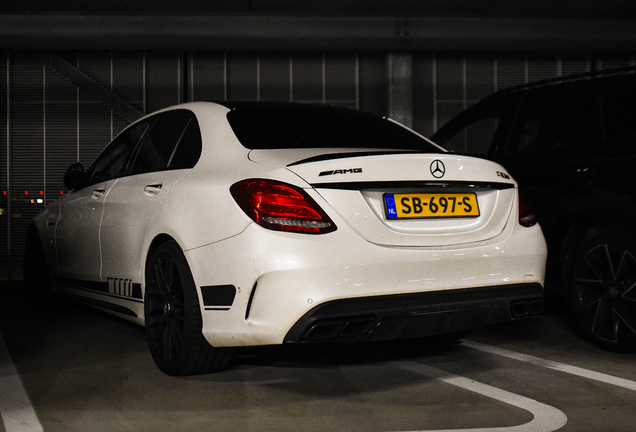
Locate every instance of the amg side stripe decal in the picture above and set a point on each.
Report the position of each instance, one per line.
(114, 287)
(215, 297)
(102, 304)
(123, 287)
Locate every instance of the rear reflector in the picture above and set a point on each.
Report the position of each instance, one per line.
(281, 207)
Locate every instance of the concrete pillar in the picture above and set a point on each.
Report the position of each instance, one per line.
(400, 100)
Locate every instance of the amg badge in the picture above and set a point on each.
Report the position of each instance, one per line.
(340, 171)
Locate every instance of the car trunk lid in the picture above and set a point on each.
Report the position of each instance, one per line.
(404, 198)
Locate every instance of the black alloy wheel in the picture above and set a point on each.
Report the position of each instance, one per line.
(173, 317)
(603, 290)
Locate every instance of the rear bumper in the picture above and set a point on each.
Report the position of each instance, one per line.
(415, 315)
(283, 284)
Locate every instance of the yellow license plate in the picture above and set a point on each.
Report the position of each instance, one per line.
(431, 205)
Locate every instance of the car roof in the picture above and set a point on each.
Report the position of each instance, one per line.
(600, 77)
(573, 82)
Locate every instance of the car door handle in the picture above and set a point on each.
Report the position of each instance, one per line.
(153, 189)
(98, 193)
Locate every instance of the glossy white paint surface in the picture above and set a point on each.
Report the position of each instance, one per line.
(76, 234)
(129, 209)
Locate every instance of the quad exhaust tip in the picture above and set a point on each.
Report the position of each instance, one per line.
(528, 307)
(330, 329)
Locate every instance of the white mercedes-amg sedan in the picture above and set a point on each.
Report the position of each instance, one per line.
(226, 225)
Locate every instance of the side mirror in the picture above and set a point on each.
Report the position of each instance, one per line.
(74, 177)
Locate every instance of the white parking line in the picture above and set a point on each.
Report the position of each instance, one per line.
(17, 412)
(573, 370)
(546, 418)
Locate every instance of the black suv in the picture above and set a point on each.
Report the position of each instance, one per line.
(570, 142)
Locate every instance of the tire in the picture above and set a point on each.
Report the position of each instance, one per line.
(602, 289)
(173, 317)
(37, 279)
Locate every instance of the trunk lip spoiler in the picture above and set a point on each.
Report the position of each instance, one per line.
(403, 184)
(344, 155)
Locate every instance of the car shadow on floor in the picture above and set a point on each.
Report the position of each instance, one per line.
(319, 355)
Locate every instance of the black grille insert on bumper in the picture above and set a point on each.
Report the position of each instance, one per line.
(414, 315)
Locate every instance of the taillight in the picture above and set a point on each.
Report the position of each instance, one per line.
(527, 218)
(281, 207)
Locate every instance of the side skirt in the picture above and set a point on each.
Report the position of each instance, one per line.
(122, 299)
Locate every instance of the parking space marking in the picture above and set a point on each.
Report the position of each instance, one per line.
(17, 412)
(546, 418)
(561, 367)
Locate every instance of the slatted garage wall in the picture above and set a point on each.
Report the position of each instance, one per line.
(48, 123)
(445, 84)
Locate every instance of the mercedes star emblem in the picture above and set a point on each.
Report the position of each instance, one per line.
(437, 168)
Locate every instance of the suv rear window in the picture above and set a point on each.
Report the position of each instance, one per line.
(291, 126)
(619, 111)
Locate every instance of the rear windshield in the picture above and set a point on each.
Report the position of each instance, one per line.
(264, 127)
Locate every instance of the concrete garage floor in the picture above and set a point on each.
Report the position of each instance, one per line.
(81, 370)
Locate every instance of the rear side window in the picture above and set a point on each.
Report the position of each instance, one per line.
(173, 142)
(319, 126)
(112, 162)
(551, 120)
(475, 132)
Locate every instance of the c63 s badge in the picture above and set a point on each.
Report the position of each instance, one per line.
(340, 171)
(503, 175)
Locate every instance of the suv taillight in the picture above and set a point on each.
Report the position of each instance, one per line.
(281, 207)
(527, 218)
